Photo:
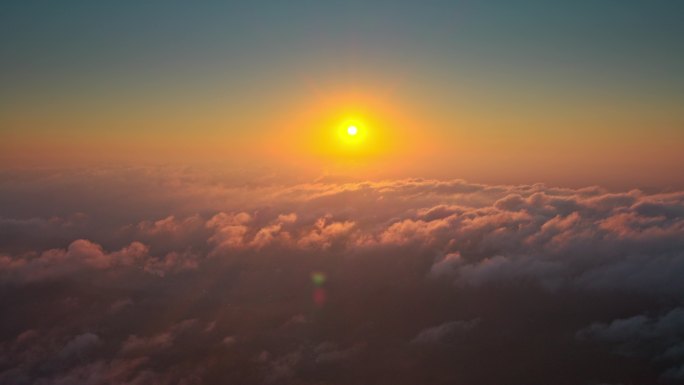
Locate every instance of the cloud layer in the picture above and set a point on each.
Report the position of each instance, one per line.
(187, 276)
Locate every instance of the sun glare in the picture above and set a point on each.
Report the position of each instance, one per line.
(349, 134)
(353, 136)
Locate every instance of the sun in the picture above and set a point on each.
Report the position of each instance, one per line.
(352, 134)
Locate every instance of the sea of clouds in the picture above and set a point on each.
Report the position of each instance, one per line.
(168, 275)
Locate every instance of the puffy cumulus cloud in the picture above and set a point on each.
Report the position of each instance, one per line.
(286, 367)
(80, 255)
(410, 230)
(79, 345)
(97, 289)
(163, 340)
(172, 262)
(595, 242)
(170, 225)
(83, 255)
(234, 231)
(49, 358)
(119, 305)
(17, 234)
(328, 352)
(659, 338)
(444, 332)
(275, 232)
(281, 368)
(105, 372)
(229, 340)
(229, 230)
(324, 234)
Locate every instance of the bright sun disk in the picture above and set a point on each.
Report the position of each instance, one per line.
(352, 130)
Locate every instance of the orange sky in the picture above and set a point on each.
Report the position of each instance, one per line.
(493, 98)
(402, 138)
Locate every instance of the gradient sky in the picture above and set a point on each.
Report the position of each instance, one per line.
(572, 93)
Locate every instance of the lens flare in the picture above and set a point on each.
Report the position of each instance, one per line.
(318, 278)
(319, 294)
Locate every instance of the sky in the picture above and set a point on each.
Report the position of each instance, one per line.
(342, 192)
(572, 93)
